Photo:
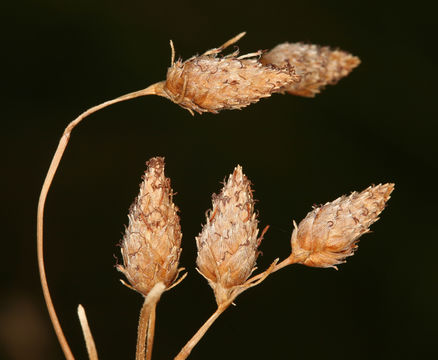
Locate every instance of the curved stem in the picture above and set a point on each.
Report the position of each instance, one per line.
(151, 90)
(187, 349)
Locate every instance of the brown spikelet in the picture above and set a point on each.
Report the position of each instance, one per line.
(227, 245)
(151, 245)
(329, 233)
(208, 83)
(316, 66)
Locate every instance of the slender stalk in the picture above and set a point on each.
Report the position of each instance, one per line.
(146, 323)
(89, 341)
(292, 259)
(142, 330)
(42, 200)
(150, 333)
(187, 349)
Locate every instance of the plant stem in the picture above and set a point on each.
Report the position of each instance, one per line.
(292, 259)
(89, 341)
(143, 324)
(186, 350)
(41, 204)
(150, 333)
(146, 323)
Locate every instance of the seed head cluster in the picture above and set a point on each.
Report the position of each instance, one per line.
(316, 66)
(211, 82)
(208, 83)
(151, 246)
(330, 233)
(227, 245)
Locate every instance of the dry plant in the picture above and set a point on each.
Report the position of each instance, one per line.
(151, 248)
(228, 243)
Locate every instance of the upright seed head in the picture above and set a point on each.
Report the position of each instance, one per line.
(316, 66)
(208, 83)
(330, 233)
(152, 243)
(227, 245)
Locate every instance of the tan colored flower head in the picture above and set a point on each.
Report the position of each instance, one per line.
(329, 233)
(152, 243)
(316, 66)
(227, 245)
(208, 83)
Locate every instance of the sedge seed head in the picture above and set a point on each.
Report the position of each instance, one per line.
(330, 233)
(210, 83)
(151, 246)
(316, 66)
(227, 245)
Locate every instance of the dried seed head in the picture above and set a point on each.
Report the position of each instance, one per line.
(329, 233)
(208, 83)
(317, 66)
(227, 245)
(151, 245)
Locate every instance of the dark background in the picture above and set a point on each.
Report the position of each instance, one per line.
(377, 125)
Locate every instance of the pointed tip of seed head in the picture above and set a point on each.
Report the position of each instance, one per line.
(234, 40)
(238, 172)
(172, 48)
(155, 163)
(386, 189)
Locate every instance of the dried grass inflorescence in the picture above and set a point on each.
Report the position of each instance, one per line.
(152, 243)
(227, 245)
(208, 83)
(316, 66)
(329, 233)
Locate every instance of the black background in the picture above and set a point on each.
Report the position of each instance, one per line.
(377, 125)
